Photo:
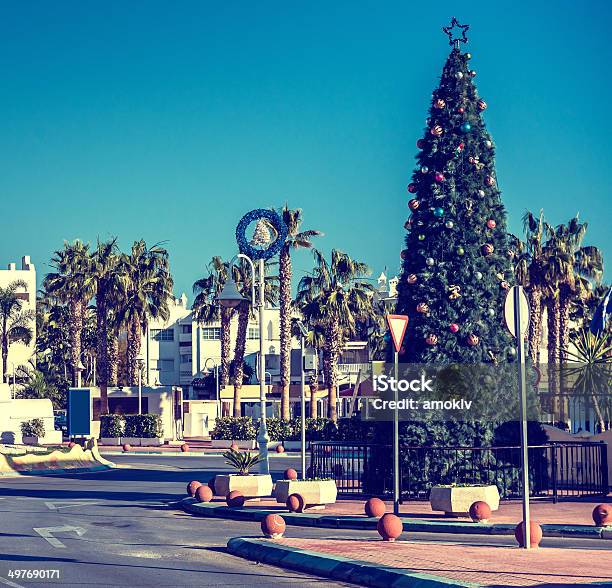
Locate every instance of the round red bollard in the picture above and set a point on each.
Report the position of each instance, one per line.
(602, 515)
(184, 448)
(211, 484)
(295, 503)
(290, 474)
(203, 494)
(375, 507)
(480, 511)
(71, 444)
(235, 498)
(273, 526)
(126, 447)
(234, 447)
(192, 487)
(280, 448)
(535, 534)
(390, 527)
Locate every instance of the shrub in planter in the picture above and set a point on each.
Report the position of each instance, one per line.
(241, 461)
(145, 426)
(33, 428)
(239, 428)
(112, 425)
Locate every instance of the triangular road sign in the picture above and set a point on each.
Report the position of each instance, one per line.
(397, 325)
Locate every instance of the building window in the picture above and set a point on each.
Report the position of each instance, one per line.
(162, 334)
(211, 333)
(185, 358)
(165, 365)
(186, 329)
(253, 333)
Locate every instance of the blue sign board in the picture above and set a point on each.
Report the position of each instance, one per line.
(79, 412)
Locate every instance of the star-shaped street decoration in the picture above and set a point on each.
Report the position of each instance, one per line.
(456, 39)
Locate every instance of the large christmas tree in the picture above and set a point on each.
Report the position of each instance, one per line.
(457, 264)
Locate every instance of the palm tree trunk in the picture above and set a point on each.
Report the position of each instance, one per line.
(535, 324)
(313, 400)
(285, 330)
(564, 322)
(75, 327)
(113, 359)
(226, 322)
(134, 338)
(243, 323)
(332, 345)
(553, 350)
(102, 350)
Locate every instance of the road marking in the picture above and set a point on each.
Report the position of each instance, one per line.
(47, 534)
(9, 583)
(58, 505)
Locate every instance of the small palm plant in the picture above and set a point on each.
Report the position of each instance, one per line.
(242, 462)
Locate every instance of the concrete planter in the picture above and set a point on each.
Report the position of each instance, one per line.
(110, 440)
(251, 486)
(456, 500)
(32, 440)
(314, 492)
(226, 443)
(142, 441)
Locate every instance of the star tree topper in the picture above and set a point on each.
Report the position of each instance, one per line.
(453, 35)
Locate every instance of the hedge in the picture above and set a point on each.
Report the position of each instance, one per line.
(145, 426)
(112, 425)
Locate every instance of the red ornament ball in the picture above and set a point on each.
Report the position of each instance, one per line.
(404, 253)
(412, 188)
(602, 515)
(374, 507)
(184, 448)
(535, 534)
(473, 73)
(295, 503)
(473, 340)
(273, 526)
(413, 204)
(431, 339)
(482, 105)
(235, 498)
(390, 527)
(436, 130)
(491, 224)
(453, 328)
(412, 279)
(192, 487)
(290, 474)
(439, 177)
(488, 249)
(460, 110)
(204, 494)
(420, 144)
(480, 511)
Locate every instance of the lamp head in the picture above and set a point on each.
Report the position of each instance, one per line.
(229, 297)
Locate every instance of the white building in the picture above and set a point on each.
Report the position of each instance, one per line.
(20, 354)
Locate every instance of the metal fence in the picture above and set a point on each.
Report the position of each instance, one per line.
(556, 470)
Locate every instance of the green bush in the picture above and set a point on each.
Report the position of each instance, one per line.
(33, 428)
(145, 426)
(235, 428)
(112, 425)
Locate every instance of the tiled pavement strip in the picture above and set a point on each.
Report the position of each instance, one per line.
(486, 565)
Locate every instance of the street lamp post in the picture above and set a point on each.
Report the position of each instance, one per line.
(140, 364)
(215, 365)
(303, 333)
(79, 373)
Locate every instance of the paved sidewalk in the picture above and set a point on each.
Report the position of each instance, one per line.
(490, 566)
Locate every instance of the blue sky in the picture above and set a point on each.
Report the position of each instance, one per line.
(169, 121)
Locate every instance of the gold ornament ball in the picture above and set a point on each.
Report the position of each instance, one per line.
(473, 340)
(422, 307)
(431, 339)
(412, 279)
(482, 105)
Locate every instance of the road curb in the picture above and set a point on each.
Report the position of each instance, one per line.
(369, 523)
(334, 567)
(99, 468)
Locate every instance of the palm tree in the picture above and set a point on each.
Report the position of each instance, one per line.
(337, 297)
(529, 270)
(67, 284)
(107, 278)
(15, 323)
(207, 310)
(296, 239)
(243, 278)
(149, 286)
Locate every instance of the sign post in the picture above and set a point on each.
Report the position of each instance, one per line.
(397, 325)
(517, 320)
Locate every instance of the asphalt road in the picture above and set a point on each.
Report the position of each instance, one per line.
(117, 528)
